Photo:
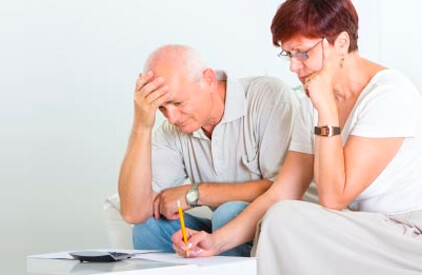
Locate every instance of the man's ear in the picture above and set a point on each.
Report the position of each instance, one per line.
(342, 42)
(209, 77)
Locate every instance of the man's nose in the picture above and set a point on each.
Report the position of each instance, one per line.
(172, 115)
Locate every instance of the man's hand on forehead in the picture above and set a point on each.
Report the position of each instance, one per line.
(150, 93)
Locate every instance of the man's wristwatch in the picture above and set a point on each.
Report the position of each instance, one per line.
(327, 131)
(192, 196)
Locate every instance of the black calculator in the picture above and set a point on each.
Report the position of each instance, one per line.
(100, 257)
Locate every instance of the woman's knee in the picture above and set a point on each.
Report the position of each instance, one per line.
(288, 211)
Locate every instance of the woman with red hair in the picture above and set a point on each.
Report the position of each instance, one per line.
(358, 136)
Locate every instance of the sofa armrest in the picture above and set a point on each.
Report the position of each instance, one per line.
(118, 230)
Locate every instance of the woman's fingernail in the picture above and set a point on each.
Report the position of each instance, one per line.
(189, 245)
(196, 253)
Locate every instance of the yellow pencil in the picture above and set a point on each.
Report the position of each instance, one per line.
(182, 224)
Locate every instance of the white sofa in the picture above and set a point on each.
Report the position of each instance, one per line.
(120, 233)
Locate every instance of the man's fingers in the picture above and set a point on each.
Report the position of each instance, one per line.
(151, 97)
(143, 80)
(161, 100)
(150, 87)
(155, 207)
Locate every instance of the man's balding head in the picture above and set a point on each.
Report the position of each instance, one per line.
(176, 58)
(195, 96)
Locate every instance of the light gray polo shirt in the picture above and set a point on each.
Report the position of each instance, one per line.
(249, 143)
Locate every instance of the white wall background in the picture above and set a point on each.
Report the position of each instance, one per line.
(67, 71)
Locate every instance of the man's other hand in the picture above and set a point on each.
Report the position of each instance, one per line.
(165, 203)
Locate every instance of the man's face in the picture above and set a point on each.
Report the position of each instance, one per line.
(190, 104)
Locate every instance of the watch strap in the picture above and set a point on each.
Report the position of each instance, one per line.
(327, 131)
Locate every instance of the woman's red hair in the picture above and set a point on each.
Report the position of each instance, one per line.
(315, 19)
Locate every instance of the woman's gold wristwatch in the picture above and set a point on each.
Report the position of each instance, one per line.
(327, 131)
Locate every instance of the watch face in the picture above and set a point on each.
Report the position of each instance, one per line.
(192, 197)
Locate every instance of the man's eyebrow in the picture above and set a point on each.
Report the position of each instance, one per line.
(168, 102)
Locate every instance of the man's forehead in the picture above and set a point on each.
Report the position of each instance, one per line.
(173, 97)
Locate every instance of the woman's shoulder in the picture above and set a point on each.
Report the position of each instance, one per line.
(391, 78)
(390, 83)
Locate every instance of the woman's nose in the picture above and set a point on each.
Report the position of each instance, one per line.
(295, 65)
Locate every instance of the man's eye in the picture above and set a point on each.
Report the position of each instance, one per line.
(177, 103)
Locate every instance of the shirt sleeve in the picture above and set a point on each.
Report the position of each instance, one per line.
(276, 115)
(385, 112)
(168, 169)
(302, 136)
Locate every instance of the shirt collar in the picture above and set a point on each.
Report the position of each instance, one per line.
(234, 105)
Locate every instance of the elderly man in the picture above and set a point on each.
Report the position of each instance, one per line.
(227, 136)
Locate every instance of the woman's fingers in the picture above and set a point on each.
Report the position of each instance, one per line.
(327, 65)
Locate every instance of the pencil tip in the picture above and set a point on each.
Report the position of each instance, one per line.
(178, 203)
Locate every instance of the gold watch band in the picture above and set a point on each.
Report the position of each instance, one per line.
(327, 131)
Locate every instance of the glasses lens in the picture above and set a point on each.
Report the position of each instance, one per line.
(301, 56)
(284, 56)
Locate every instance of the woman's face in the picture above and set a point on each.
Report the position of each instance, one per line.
(306, 55)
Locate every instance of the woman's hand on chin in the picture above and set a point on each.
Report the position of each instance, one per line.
(319, 85)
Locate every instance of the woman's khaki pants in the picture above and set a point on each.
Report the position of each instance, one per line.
(297, 237)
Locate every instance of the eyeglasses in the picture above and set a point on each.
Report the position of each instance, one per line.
(299, 56)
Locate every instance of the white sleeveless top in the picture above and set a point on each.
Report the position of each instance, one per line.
(389, 106)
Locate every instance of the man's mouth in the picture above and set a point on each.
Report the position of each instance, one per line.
(181, 125)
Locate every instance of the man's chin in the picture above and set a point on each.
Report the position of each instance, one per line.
(186, 129)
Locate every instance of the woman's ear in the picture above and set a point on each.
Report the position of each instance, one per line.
(342, 42)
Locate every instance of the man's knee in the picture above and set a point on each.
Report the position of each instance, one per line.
(227, 212)
(144, 232)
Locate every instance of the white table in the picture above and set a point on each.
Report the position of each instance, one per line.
(208, 266)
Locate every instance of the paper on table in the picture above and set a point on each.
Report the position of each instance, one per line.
(176, 259)
(65, 254)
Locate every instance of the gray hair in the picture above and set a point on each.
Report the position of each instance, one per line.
(184, 57)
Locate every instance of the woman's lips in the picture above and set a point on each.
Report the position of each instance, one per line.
(303, 78)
